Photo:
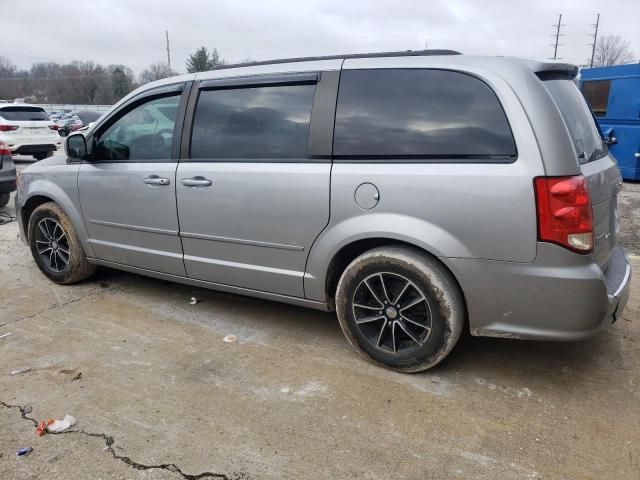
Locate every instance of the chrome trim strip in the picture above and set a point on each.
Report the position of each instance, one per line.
(255, 243)
(243, 266)
(133, 248)
(302, 302)
(161, 231)
(625, 280)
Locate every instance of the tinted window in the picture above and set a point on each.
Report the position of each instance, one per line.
(262, 122)
(419, 113)
(21, 114)
(596, 93)
(580, 122)
(143, 133)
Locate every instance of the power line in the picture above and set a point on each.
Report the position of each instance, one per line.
(557, 35)
(595, 39)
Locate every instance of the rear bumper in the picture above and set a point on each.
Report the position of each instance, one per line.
(559, 296)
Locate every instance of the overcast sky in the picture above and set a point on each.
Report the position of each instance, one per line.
(132, 31)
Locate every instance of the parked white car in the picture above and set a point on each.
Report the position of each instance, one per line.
(28, 130)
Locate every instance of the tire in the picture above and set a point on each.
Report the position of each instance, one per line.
(42, 230)
(413, 337)
(4, 199)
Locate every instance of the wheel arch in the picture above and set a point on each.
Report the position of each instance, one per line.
(353, 249)
(58, 196)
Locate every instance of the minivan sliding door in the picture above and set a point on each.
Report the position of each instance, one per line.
(253, 193)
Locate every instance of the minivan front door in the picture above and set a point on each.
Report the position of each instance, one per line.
(127, 189)
(253, 195)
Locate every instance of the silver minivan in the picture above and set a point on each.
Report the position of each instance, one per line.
(417, 194)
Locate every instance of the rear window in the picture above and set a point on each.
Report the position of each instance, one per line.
(422, 114)
(579, 119)
(21, 114)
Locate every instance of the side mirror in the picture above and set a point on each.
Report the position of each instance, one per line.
(609, 139)
(76, 146)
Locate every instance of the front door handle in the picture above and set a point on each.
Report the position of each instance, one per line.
(156, 180)
(196, 182)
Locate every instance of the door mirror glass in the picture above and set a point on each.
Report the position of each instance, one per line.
(76, 146)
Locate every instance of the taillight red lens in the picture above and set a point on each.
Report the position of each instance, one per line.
(8, 128)
(53, 127)
(564, 212)
(4, 149)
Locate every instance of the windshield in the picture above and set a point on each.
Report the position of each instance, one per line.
(21, 114)
(579, 119)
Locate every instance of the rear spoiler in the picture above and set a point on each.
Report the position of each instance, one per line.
(556, 71)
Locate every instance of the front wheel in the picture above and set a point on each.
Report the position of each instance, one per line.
(400, 308)
(55, 245)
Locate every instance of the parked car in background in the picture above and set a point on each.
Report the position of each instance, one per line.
(28, 130)
(68, 123)
(7, 175)
(415, 193)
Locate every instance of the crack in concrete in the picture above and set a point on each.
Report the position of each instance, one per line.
(50, 307)
(110, 441)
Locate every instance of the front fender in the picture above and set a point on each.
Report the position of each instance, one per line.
(61, 189)
(407, 229)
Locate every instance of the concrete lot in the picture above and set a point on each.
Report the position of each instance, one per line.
(159, 395)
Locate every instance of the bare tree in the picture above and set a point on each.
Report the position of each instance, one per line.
(612, 50)
(155, 71)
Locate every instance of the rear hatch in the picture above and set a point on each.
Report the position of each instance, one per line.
(596, 164)
(32, 122)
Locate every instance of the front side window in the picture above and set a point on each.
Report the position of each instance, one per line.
(596, 92)
(143, 133)
(420, 113)
(269, 122)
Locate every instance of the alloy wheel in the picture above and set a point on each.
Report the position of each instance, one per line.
(392, 313)
(52, 244)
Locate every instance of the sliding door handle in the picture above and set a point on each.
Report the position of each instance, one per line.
(156, 180)
(196, 182)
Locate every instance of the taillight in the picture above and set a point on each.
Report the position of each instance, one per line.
(53, 127)
(4, 149)
(8, 128)
(564, 212)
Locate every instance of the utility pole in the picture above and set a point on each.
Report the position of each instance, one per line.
(557, 35)
(595, 39)
(166, 32)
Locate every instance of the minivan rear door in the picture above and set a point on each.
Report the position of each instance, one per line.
(253, 190)
(596, 164)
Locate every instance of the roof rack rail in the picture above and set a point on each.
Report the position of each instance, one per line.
(404, 53)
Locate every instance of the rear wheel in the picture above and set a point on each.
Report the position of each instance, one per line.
(55, 246)
(400, 308)
(4, 199)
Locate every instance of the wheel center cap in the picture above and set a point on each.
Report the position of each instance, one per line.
(54, 244)
(391, 312)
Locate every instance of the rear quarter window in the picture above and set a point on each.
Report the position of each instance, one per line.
(436, 115)
(21, 114)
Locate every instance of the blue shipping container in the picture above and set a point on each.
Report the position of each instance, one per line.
(613, 93)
